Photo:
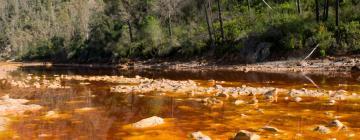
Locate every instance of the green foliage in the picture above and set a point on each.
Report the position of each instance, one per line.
(47, 50)
(323, 38)
(99, 31)
(152, 37)
(350, 35)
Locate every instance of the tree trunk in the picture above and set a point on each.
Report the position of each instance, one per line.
(221, 21)
(298, 6)
(206, 4)
(326, 10)
(130, 31)
(248, 4)
(337, 8)
(169, 19)
(317, 10)
(170, 26)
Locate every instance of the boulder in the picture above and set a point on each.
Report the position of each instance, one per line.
(322, 129)
(246, 135)
(199, 136)
(148, 122)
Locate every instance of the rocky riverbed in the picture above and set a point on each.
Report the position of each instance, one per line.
(138, 107)
(13, 107)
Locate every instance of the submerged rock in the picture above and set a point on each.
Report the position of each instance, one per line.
(271, 129)
(148, 122)
(4, 121)
(199, 136)
(9, 106)
(211, 101)
(246, 135)
(322, 129)
(52, 115)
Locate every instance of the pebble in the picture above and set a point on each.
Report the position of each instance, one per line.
(322, 129)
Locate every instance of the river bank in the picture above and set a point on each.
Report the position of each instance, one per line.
(345, 65)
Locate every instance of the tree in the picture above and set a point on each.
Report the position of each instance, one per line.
(317, 10)
(326, 10)
(337, 8)
(298, 6)
(208, 19)
(221, 21)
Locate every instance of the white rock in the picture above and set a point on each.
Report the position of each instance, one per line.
(322, 129)
(199, 136)
(336, 123)
(239, 102)
(297, 99)
(148, 122)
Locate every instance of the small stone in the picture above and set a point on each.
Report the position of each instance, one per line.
(336, 123)
(302, 63)
(297, 99)
(260, 110)
(199, 136)
(148, 122)
(225, 95)
(246, 135)
(239, 102)
(286, 98)
(243, 115)
(51, 114)
(331, 102)
(322, 129)
(254, 101)
(271, 129)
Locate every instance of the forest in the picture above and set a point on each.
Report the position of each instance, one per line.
(93, 31)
